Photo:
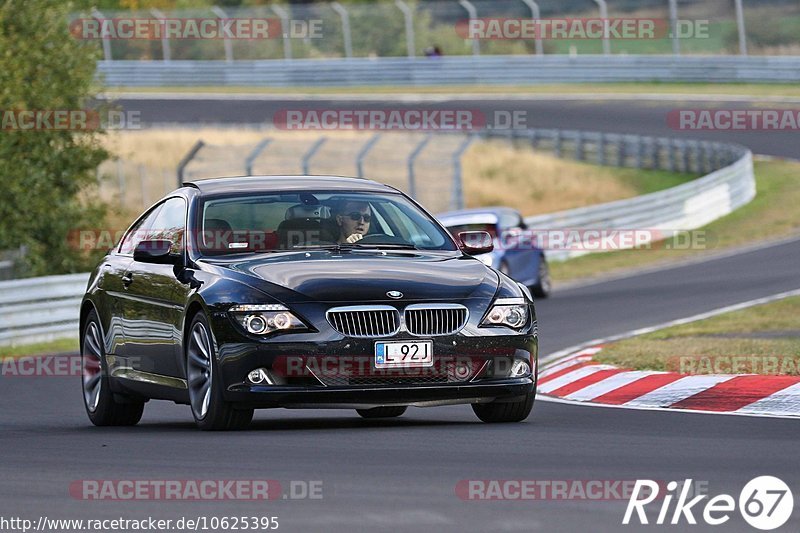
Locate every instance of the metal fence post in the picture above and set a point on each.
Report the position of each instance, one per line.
(287, 41)
(166, 52)
(601, 149)
(740, 27)
(348, 38)
(412, 157)
(103, 34)
(458, 186)
(226, 42)
(473, 14)
(121, 181)
(557, 144)
(142, 183)
(363, 153)
(671, 155)
(310, 153)
(251, 157)
(639, 150)
(655, 153)
(604, 15)
(673, 22)
(686, 165)
(579, 151)
(621, 151)
(534, 7)
(187, 158)
(409, 18)
(701, 157)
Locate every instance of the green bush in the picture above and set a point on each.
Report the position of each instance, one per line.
(47, 174)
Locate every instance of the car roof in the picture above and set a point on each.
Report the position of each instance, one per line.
(480, 215)
(285, 183)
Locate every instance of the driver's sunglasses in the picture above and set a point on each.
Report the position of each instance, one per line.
(355, 217)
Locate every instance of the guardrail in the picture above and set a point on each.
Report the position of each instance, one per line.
(684, 207)
(454, 70)
(40, 309)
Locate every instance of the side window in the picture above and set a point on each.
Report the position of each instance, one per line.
(138, 231)
(170, 224)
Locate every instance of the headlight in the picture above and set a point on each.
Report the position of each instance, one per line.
(509, 312)
(265, 319)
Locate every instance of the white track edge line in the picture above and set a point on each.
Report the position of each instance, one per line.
(552, 399)
(552, 358)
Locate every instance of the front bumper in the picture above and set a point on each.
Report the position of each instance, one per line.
(489, 359)
(252, 396)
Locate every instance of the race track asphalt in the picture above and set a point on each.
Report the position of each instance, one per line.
(401, 475)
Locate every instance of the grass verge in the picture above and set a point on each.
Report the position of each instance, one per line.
(772, 214)
(41, 348)
(764, 339)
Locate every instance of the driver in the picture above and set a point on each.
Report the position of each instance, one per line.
(353, 221)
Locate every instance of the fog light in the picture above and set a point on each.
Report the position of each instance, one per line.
(520, 368)
(258, 376)
(462, 371)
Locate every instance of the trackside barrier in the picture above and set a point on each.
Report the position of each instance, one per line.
(728, 183)
(40, 309)
(451, 70)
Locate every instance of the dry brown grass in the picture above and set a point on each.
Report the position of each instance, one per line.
(495, 173)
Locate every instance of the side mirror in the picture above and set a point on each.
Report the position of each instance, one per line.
(475, 242)
(155, 251)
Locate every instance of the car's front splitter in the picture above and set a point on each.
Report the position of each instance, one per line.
(261, 396)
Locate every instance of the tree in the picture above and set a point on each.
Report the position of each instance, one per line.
(47, 174)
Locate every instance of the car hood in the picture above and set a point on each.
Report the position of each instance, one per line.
(367, 276)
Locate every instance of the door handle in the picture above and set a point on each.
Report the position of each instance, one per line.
(127, 279)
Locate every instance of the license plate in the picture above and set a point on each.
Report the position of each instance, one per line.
(403, 354)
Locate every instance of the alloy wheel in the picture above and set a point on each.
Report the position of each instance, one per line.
(199, 370)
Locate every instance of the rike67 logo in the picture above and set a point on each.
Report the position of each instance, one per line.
(765, 503)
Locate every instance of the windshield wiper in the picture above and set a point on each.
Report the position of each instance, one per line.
(390, 246)
(347, 246)
(301, 247)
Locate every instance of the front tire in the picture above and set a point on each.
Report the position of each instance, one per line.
(100, 403)
(210, 410)
(381, 412)
(504, 412)
(544, 286)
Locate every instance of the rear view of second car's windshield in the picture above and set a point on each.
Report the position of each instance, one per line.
(312, 219)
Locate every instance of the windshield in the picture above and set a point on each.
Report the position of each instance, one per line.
(256, 223)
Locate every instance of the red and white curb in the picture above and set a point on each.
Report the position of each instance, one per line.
(577, 378)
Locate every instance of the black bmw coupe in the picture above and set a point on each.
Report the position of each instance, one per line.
(235, 294)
